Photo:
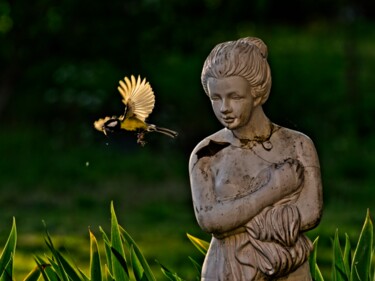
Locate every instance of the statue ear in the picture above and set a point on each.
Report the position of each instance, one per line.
(257, 101)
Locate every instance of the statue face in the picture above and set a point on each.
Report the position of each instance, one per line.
(231, 100)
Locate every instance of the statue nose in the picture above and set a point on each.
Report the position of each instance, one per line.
(225, 107)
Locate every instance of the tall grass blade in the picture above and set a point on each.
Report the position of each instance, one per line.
(120, 271)
(45, 269)
(347, 256)
(314, 268)
(362, 254)
(200, 244)
(56, 264)
(7, 273)
(108, 275)
(169, 274)
(107, 249)
(33, 275)
(95, 264)
(338, 267)
(131, 243)
(138, 270)
(197, 266)
(6, 258)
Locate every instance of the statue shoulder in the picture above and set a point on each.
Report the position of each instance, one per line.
(210, 145)
(303, 145)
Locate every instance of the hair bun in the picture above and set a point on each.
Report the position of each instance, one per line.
(258, 43)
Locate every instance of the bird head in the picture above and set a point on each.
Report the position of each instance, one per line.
(111, 125)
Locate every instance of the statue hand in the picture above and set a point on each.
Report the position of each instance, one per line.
(289, 175)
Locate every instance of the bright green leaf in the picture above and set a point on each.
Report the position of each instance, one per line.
(362, 255)
(338, 268)
(6, 259)
(119, 271)
(95, 265)
(347, 256)
(131, 243)
(33, 274)
(200, 244)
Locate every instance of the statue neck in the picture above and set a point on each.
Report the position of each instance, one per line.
(259, 127)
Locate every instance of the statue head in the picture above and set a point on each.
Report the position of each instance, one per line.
(245, 57)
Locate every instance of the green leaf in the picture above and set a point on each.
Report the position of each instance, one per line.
(108, 275)
(169, 274)
(58, 267)
(107, 249)
(95, 265)
(338, 268)
(314, 268)
(7, 273)
(6, 258)
(131, 243)
(197, 266)
(33, 274)
(347, 256)
(120, 272)
(137, 266)
(45, 269)
(200, 244)
(362, 254)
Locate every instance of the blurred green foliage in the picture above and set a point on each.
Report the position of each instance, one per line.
(60, 62)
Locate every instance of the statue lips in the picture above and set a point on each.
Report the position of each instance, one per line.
(228, 120)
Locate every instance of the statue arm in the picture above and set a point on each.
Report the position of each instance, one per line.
(218, 216)
(310, 200)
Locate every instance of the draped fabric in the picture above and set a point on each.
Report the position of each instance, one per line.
(270, 246)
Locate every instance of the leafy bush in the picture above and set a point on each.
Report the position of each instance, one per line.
(123, 259)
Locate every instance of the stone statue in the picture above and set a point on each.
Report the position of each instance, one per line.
(256, 186)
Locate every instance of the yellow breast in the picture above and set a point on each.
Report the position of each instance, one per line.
(133, 124)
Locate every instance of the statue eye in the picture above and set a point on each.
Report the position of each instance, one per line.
(236, 97)
(215, 98)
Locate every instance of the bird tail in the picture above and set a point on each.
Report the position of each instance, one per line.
(165, 131)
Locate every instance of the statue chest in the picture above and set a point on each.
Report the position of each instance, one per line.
(237, 172)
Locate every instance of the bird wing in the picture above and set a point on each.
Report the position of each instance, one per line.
(138, 96)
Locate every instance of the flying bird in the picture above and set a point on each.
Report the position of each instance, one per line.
(139, 100)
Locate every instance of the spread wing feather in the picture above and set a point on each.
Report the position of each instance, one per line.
(138, 95)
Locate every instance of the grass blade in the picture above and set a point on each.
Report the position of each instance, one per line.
(197, 266)
(7, 273)
(347, 256)
(45, 270)
(137, 266)
(314, 268)
(6, 259)
(338, 268)
(200, 244)
(95, 264)
(131, 243)
(169, 274)
(107, 249)
(362, 255)
(33, 274)
(120, 272)
(108, 275)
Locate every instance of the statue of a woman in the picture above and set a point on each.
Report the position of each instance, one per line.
(256, 186)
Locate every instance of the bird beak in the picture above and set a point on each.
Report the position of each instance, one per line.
(104, 131)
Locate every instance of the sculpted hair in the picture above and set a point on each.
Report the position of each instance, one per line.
(245, 57)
